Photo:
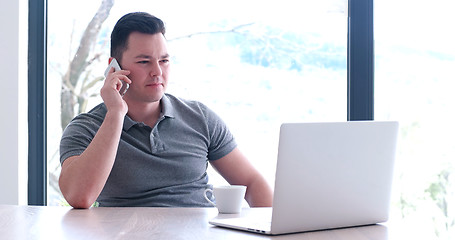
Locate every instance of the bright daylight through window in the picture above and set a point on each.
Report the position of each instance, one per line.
(415, 58)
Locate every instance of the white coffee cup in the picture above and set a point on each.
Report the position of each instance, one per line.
(228, 199)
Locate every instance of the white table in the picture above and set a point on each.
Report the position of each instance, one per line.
(37, 222)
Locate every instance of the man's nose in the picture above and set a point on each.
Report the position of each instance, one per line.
(155, 70)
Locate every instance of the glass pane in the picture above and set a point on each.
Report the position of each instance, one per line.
(415, 59)
(257, 65)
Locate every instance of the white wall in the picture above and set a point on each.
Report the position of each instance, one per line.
(13, 102)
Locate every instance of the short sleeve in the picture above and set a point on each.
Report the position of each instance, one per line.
(221, 140)
(80, 132)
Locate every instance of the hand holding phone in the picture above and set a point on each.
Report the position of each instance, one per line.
(114, 64)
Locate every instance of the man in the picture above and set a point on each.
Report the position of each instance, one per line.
(149, 148)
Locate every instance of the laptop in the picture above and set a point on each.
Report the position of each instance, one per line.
(328, 175)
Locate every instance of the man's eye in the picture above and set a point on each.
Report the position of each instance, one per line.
(143, 62)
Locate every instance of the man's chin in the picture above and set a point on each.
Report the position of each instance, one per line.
(146, 99)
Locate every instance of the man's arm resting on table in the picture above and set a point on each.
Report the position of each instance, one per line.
(237, 170)
(83, 177)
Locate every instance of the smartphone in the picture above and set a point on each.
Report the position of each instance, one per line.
(114, 64)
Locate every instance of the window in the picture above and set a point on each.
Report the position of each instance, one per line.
(415, 58)
(280, 63)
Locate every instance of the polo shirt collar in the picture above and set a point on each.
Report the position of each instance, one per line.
(167, 111)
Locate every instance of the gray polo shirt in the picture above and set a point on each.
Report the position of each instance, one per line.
(160, 166)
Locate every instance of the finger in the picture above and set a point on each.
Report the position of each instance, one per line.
(124, 78)
(123, 72)
(113, 72)
(118, 73)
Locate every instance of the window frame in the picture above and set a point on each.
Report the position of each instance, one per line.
(360, 84)
(360, 70)
(37, 95)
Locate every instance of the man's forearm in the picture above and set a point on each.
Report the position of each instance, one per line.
(259, 193)
(83, 177)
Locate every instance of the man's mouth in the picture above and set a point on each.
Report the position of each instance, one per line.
(154, 84)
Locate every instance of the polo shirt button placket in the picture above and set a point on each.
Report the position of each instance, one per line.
(155, 144)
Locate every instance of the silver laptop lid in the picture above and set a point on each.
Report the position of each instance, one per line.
(332, 175)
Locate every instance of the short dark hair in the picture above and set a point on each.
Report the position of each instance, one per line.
(133, 22)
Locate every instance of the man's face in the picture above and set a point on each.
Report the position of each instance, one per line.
(147, 58)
